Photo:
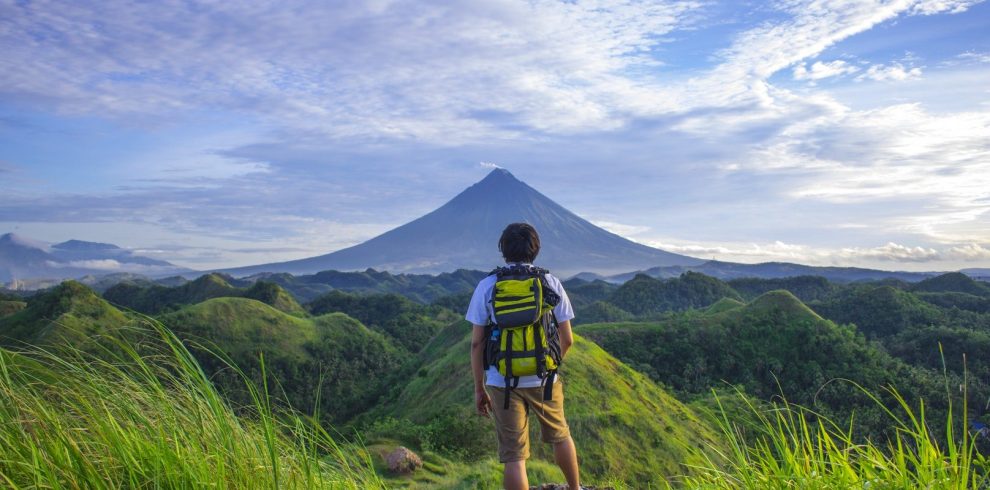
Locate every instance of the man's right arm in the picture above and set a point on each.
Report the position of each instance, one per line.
(482, 402)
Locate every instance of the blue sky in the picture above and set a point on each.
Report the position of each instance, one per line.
(222, 134)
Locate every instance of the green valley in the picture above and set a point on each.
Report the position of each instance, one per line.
(386, 368)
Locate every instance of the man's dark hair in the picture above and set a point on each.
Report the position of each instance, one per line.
(519, 243)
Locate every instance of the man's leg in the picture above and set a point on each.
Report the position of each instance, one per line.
(566, 457)
(555, 431)
(514, 476)
(512, 425)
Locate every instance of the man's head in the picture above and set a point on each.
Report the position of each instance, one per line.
(519, 243)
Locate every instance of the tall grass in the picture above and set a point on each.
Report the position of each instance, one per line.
(790, 446)
(124, 419)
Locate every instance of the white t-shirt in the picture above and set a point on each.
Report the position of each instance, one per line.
(479, 313)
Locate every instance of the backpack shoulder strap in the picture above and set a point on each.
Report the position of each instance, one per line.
(550, 296)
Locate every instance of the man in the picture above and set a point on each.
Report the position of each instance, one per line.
(520, 245)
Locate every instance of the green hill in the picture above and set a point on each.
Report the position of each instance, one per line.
(952, 282)
(69, 311)
(155, 299)
(938, 347)
(912, 324)
(774, 345)
(644, 295)
(410, 324)
(8, 308)
(601, 312)
(783, 303)
(879, 311)
(422, 288)
(582, 293)
(724, 304)
(273, 295)
(335, 352)
(589, 299)
(623, 424)
(962, 301)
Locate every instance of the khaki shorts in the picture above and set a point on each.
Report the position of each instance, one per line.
(512, 424)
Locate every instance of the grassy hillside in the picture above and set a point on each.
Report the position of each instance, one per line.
(421, 288)
(156, 421)
(333, 352)
(774, 345)
(241, 325)
(879, 311)
(913, 322)
(582, 292)
(70, 311)
(273, 295)
(953, 282)
(724, 304)
(78, 421)
(644, 295)
(9, 307)
(155, 299)
(411, 324)
(601, 312)
(962, 301)
(623, 424)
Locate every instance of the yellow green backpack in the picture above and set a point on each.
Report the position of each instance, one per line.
(523, 340)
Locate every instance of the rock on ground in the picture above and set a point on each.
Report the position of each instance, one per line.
(403, 461)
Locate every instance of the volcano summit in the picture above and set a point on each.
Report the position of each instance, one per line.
(463, 234)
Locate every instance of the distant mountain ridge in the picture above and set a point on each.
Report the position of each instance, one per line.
(464, 232)
(27, 264)
(768, 270)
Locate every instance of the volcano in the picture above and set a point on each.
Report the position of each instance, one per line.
(464, 233)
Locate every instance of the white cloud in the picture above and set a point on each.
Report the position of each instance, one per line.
(437, 71)
(820, 70)
(621, 229)
(979, 57)
(816, 25)
(929, 7)
(919, 173)
(454, 74)
(892, 252)
(971, 252)
(779, 251)
(744, 252)
(892, 72)
(444, 72)
(98, 264)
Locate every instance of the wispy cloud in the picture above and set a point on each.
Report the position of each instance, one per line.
(878, 256)
(980, 57)
(820, 70)
(891, 72)
(358, 116)
(622, 229)
(380, 69)
(930, 7)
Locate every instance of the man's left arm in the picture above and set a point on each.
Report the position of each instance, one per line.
(564, 313)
